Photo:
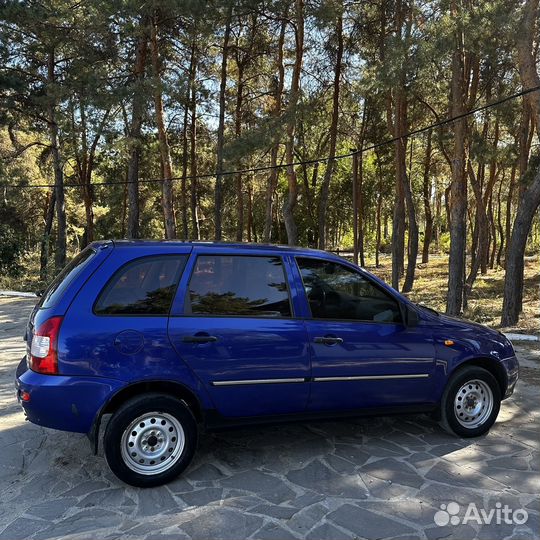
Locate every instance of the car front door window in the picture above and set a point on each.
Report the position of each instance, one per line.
(337, 292)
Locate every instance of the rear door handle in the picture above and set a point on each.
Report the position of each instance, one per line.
(328, 340)
(199, 339)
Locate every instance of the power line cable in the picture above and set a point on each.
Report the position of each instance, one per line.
(295, 163)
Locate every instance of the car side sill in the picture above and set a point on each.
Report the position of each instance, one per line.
(214, 421)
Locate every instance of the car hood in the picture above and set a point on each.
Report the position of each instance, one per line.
(465, 323)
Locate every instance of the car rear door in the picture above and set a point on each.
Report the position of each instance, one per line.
(363, 355)
(117, 325)
(233, 323)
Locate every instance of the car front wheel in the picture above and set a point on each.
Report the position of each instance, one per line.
(471, 402)
(150, 440)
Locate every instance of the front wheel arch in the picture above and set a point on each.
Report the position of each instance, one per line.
(449, 407)
(489, 364)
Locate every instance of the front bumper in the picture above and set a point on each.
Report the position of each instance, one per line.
(511, 366)
(62, 402)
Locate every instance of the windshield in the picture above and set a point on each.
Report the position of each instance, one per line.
(60, 283)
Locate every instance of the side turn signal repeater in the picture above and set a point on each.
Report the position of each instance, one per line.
(448, 342)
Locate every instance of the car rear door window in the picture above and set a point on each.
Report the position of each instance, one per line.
(335, 291)
(237, 285)
(144, 286)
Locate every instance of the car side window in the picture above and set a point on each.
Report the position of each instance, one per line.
(238, 285)
(335, 291)
(144, 286)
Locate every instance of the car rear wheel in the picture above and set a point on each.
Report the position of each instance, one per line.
(150, 440)
(471, 402)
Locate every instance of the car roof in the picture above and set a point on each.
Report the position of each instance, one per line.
(228, 245)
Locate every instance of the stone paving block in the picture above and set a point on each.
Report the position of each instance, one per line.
(204, 473)
(354, 453)
(340, 465)
(303, 521)
(108, 498)
(155, 501)
(22, 528)
(202, 497)
(273, 510)
(273, 531)
(450, 532)
(264, 485)
(453, 475)
(85, 488)
(222, 523)
(326, 531)
(318, 477)
(53, 509)
(366, 523)
(84, 521)
(395, 471)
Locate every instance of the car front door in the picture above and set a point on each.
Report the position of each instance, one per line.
(233, 323)
(363, 354)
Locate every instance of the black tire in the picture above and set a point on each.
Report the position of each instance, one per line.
(485, 383)
(176, 417)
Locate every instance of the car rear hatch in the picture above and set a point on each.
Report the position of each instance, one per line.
(56, 299)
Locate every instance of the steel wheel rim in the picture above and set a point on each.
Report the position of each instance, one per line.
(152, 443)
(473, 403)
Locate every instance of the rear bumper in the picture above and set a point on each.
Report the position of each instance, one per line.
(511, 365)
(62, 402)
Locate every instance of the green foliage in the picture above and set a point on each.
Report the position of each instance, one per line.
(93, 47)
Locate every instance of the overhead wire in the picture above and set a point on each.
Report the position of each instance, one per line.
(324, 159)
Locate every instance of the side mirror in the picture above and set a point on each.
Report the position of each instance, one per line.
(411, 316)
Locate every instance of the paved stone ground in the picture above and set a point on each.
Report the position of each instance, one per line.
(366, 478)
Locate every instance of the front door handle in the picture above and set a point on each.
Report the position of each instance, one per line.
(204, 338)
(328, 340)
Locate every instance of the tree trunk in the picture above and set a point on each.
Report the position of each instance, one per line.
(480, 246)
(185, 147)
(428, 230)
(135, 141)
(458, 187)
(238, 132)
(513, 279)
(530, 196)
(325, 186)
(379, 206)
(292, 196)
(218, 197)
(273, 177)
(167, 195)
(45, 239)
(61, 240)
(196, 228)
(508, 220)
(500, 227)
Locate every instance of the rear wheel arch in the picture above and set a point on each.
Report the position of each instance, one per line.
(169, 388)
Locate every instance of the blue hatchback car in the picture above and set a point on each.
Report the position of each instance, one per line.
(167, 338)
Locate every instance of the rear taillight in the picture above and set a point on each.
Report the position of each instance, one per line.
(43, 356)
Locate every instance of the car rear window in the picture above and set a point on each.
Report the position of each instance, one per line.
(144, 286)
(236, 285)
(62, 281)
